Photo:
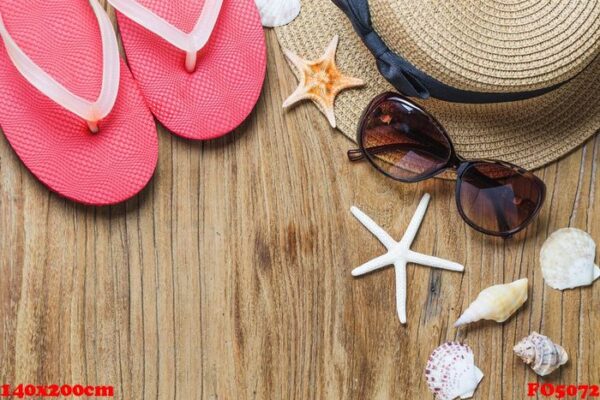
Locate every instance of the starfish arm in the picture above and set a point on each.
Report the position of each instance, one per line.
(298, 62)
(299, 95)
(345, 84)
(415, 222)
(432, 261)
(375, 229)
(376, 263)
(330, 114)
(350, 82)
(400, 269)
(324, 105)
(331, 49)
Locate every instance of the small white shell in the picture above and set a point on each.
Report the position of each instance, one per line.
(278, 12)
(541, 353)
(451, 372)
(497, 303)
(567, 259)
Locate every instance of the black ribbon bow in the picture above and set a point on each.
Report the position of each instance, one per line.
(410, 80)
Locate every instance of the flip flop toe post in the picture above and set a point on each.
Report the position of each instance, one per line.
(69, 106)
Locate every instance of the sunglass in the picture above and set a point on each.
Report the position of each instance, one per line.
(406, 143)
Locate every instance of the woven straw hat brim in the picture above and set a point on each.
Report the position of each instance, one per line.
(488, 45)
(530, 133)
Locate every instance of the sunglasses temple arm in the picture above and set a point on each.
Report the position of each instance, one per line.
(359, 154)
(431, 149)
(356, 155)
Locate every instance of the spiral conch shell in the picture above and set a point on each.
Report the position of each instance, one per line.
(497, 303)
(541, 353)
(451, 372)
(567, 259)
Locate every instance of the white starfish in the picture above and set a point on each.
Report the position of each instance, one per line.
(399, 253)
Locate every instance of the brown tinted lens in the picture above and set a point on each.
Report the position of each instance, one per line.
(403, 141)
(498, 198)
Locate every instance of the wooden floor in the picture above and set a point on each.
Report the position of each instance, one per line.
(229, 276)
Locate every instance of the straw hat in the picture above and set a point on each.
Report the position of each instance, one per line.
(476, 45)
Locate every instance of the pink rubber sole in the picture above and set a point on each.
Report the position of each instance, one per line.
(55, 145)
(227, 83)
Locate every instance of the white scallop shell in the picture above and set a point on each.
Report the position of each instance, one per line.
(278, 12)
(497, 303)
(567, 259)
(541, 353)
(451, 372)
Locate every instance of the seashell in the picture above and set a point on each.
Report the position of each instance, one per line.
(497, 303)
(278, 12)
(541, 354)
(567, 259)
(451, 372)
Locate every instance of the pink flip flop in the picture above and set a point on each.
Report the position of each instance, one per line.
(54, 61)
(200, 64)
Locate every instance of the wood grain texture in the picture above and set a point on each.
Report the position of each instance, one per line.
(229, 276)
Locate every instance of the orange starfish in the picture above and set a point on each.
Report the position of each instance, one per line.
(320, 81)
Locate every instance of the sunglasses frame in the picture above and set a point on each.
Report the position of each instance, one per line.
(454, 162)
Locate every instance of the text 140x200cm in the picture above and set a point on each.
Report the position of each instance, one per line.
(28, 390)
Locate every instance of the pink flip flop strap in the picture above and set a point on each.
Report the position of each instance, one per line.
(92, 112)
(191, 42)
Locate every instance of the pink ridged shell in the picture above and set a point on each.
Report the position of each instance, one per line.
(451, 371)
